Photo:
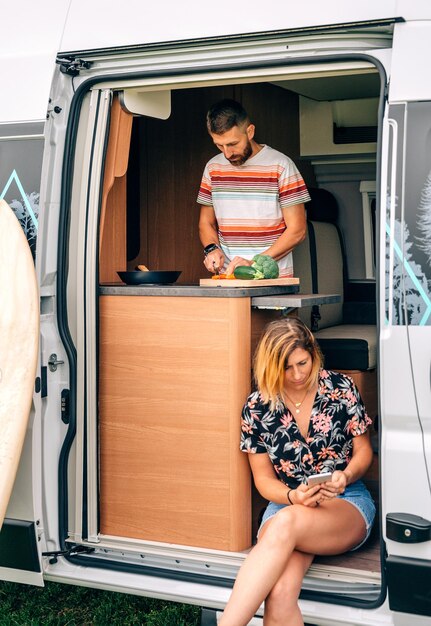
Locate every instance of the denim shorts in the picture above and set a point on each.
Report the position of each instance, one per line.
(356, 493)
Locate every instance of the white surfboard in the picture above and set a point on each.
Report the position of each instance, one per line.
(19, 335)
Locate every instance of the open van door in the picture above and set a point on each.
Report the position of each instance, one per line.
(19, 339)
(405, 322)
(26, 61)
(405, 316)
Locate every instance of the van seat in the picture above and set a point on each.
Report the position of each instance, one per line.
(348, 346)
(320, 261)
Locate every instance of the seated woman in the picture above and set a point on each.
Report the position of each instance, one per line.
(302, 420)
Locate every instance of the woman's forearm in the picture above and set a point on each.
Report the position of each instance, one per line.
(359, 464)
(273, 490)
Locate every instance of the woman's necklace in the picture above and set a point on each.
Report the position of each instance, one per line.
(297, 404)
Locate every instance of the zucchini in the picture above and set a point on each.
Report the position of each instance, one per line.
(245, 272)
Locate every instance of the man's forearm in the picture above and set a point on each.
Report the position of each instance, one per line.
(208, 234)
(296, 230)
(285, 244)
(208, 228)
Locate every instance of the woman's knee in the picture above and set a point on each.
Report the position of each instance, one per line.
(280, 528)
(288, 522)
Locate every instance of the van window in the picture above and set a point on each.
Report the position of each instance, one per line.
(408, 219)
(21, 150)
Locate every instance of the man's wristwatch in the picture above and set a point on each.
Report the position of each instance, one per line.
(210, 248)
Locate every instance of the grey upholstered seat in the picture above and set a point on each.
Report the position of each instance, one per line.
(319, 262)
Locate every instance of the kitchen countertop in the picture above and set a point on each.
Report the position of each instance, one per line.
(195, 291)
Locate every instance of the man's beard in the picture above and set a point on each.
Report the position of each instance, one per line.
(240, 159)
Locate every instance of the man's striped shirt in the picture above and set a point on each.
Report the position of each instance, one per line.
(247, 201)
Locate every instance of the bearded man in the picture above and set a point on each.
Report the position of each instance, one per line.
(252, 196)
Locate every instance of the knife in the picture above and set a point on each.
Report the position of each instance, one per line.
(216, 269)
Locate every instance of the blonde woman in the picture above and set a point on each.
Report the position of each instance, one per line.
(302, 420)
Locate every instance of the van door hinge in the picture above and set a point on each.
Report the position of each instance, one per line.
(72, 551)
(386, 92)
(72, 67)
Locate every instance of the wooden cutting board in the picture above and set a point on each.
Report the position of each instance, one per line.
(236, 282)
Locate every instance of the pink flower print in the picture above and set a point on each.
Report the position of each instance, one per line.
(286, 466)
(321, 423)
(286, 420)
(309, 440)
(335, 394)
(326, 453)
(324, 374)
(353, 427)
(350, 396)
(307, 458)
(296, 444)
(246, 427)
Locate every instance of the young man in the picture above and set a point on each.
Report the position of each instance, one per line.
(252, 196)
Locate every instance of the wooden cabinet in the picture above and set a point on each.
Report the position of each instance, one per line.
(174, 374)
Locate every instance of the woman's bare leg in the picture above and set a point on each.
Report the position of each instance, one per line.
(281, 605)
(334, 527)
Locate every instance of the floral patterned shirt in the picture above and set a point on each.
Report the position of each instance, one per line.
(338, 415)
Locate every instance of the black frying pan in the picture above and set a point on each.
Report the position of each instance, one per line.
(161, 277)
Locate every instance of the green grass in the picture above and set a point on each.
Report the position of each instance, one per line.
(66, 605)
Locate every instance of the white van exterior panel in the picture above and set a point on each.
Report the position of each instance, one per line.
(411, 62)
(31, 38)
(168, 20)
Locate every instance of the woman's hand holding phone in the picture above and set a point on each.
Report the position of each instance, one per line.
(336, 485)
(319, 487)
(306, 495)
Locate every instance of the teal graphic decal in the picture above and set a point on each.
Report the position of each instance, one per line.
(411, 303)
(14, 177)
(25, 207)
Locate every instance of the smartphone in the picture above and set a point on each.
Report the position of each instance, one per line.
(316, 479)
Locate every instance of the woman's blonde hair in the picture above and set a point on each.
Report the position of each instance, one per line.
(278, 342)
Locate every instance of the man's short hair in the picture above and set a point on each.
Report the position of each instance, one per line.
(224, 115)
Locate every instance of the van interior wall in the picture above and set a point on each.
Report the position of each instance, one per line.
(166, 165)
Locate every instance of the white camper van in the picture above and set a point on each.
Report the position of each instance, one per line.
(102, 147)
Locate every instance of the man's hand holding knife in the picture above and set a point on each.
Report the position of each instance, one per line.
(214, 258)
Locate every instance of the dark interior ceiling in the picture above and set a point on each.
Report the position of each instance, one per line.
(326, 88)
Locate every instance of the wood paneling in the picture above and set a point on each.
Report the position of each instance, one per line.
(174, 373)
(112, 227)
(113, 242)
(173, 157)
